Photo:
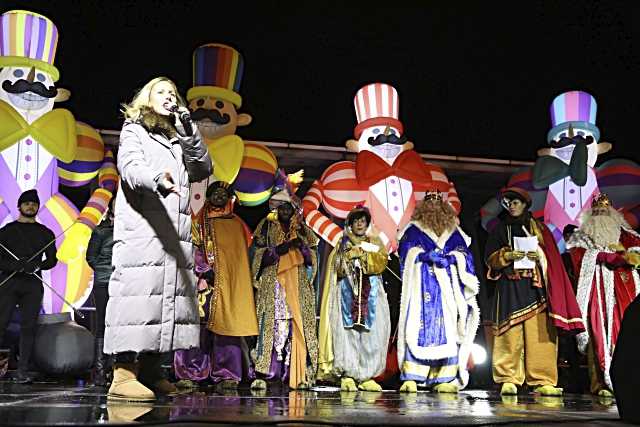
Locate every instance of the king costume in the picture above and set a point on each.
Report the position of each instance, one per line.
(439, 315)
(283, 268)
(354, 316)
(608, 282)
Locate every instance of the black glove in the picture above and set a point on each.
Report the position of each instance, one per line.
(208, 276)
(296, 243)
(283, 248)
(30, 266)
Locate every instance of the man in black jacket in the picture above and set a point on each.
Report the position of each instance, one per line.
(99, 254)
(24, 238)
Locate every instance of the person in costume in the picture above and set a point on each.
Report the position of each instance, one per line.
(388, 176)
(533, 299)
(227, 306)
(283, 268)
(606, 255)
(215, 101)
(439, 315)
(355, 326)
(564, 180)
(45, 148)
(153, 307)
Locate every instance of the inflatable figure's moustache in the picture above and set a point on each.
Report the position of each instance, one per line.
(387, 139)
(23, 86)
(213, 115)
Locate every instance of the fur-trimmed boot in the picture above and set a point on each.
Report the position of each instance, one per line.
(125, 384)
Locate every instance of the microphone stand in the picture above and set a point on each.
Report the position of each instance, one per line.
(33, 273)
(40, 251)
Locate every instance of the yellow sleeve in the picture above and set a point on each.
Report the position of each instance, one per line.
(377, 261)
(195, 233)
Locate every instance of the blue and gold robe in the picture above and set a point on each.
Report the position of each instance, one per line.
(439, 315)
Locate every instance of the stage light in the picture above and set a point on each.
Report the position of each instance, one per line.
(478, 353)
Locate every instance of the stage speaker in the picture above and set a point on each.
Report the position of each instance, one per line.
(625, 373)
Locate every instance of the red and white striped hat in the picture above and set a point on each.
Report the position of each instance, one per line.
(376, 104)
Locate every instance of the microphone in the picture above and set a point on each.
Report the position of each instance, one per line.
(185, 118)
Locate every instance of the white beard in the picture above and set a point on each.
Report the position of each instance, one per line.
(603, 229)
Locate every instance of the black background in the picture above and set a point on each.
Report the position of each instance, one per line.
(474, 79)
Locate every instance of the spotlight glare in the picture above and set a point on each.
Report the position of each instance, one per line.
(478, 353)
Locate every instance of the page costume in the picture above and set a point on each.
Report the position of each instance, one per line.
(354, 315)
(226, 300)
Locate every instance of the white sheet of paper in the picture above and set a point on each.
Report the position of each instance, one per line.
(525, 244)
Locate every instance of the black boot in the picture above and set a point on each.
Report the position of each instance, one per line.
(100, 366)
(4, 362)
(22, 376)
(153, 375)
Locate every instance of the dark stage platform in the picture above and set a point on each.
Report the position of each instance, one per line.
(55, 404)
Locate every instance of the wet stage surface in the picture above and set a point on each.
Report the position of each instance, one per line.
(54, 404)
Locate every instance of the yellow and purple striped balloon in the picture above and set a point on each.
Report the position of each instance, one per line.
(257, 175)
(28, 39)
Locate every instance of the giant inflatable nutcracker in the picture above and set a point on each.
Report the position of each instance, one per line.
(214, 101)
(43, 147)
(564, 180)
(388, 176)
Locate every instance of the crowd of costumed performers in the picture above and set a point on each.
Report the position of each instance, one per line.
(367, 277)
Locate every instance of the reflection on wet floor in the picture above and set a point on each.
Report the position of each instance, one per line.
(55, 404)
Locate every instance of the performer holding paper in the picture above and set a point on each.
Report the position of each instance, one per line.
(532, 300)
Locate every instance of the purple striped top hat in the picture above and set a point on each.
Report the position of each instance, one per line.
(28, 39)
(576, 109)
(217, 72)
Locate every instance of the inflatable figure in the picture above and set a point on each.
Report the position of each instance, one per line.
(43, 147)
(564, 179)
(214, 102)
(387, 177)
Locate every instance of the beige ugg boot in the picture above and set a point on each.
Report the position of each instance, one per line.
(125, 385)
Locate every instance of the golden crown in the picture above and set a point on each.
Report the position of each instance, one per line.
(601, 200)
(433, 195)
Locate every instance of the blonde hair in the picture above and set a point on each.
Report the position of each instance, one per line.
(141, 99)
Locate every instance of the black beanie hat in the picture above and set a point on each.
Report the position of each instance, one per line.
(29, 196)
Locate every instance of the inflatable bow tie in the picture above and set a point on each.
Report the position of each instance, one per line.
(56, 131)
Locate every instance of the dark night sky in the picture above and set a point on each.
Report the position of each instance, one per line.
(474, 80)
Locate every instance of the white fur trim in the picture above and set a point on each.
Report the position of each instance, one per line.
(369, 247)
(407, 277)
(583, 294)
(471, 319)
(460, 311)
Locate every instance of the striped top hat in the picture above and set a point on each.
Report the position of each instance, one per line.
(376, 104)
(217, 72)
(576, 109)
(28, 39)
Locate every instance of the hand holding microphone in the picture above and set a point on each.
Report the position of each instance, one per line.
(181, 113)
(183, 117)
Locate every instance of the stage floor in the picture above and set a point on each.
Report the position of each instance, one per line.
(49, 404)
